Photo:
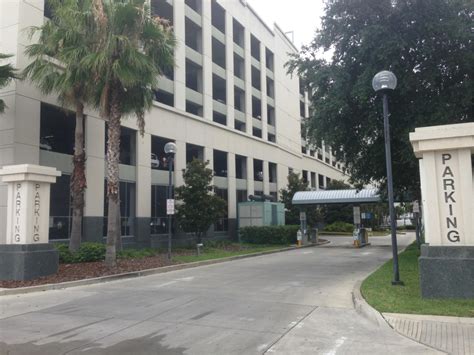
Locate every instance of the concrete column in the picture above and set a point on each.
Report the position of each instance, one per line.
(248, 83)
(95, 174)
(263, 84)
(266, 178)
(229, 58)
(179, 162)
(143, 190)
(250, 181)
(180, 56)
(231, 195)
(207, 60)
(282, 177)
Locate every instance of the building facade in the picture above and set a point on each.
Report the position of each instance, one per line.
(228, 101)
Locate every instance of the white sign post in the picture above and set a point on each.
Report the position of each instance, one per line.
(170, 206)
(27, 254)
(447, 189)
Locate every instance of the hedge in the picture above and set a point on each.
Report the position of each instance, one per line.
(339, 227)
(87, 252)
(269, 234)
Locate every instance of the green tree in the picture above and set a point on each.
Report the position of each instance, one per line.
(55, 68)
(295, 184)
(427, 44)
(338, 212)
(7, 73)
(199, 207)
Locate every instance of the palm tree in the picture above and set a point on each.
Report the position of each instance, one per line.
(133, 49)
(63, 41)
(7, 73)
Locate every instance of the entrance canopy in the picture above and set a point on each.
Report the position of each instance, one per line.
(335, 196)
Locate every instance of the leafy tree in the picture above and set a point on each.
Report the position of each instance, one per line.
(132, 48)
(427, 44)
(200, 208)
(338, 212)
(292, 214)
(7, 73)
(56, 69)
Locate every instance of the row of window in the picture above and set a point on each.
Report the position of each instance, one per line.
(57, 135)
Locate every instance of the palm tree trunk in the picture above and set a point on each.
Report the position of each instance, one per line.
(113, 159)
(78, 180)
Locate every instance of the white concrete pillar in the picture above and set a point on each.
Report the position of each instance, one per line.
(266, 178)
(179, 56)
(207, 60)
(95, 167)
(231, 186)
(229, 58)
(248, 83)
(143, 182)
(250, 181)
(263, 89)
(179, 162)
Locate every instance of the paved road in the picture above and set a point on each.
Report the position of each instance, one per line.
(296, 302)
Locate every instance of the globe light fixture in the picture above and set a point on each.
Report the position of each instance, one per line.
(170, 148)
(384, 82)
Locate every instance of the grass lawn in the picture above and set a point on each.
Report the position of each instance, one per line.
(380, 294)
(217, 253)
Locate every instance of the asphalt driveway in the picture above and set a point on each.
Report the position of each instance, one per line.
(295, 302)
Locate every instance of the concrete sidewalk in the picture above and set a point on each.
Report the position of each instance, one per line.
(452, 335)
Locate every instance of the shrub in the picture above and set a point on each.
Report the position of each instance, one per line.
(136, 253)
(339, 227)
(65, 256)
(269, 234)
(87, 252)
(90, 252)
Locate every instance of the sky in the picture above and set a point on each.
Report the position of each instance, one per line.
(300, 16)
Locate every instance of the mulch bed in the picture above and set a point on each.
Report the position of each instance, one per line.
(79, 271)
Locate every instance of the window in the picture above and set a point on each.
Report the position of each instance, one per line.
(255, 47)
(57, 129)
(194, 152)
(128, 146)
(256, 78)
(302, 111)
(219, 89)
(219, 118)
(269, 59)
(241, 196)
(256, 132)
(240, 167)
(256, 108)
(60, 208)
(164, 97)
(196, 5)
(305, 176)
(321, 181)
(218, 16)
(218, 53)
(239, 99)
(159, 159)
(220, 163)
(193, 76)
(270, 115)
(194, 108)
(163, 9)
(159, 218)
(271, 137)
(270, 88)
(258, 170)
(193, 35)
(239, 67)
(313, 179)
(127, 208)
(240, 126)
(238, 33)
(272, 172)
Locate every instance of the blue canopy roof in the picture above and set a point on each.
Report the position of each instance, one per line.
(335, 196)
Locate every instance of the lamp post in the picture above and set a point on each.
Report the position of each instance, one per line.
(170, 150)
(384, 82)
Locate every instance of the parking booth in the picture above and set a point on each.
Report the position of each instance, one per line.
(348, 196)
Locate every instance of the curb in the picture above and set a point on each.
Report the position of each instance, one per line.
(147, 272)
(362, 307)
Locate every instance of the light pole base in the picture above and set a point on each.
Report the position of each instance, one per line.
(398, 283)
